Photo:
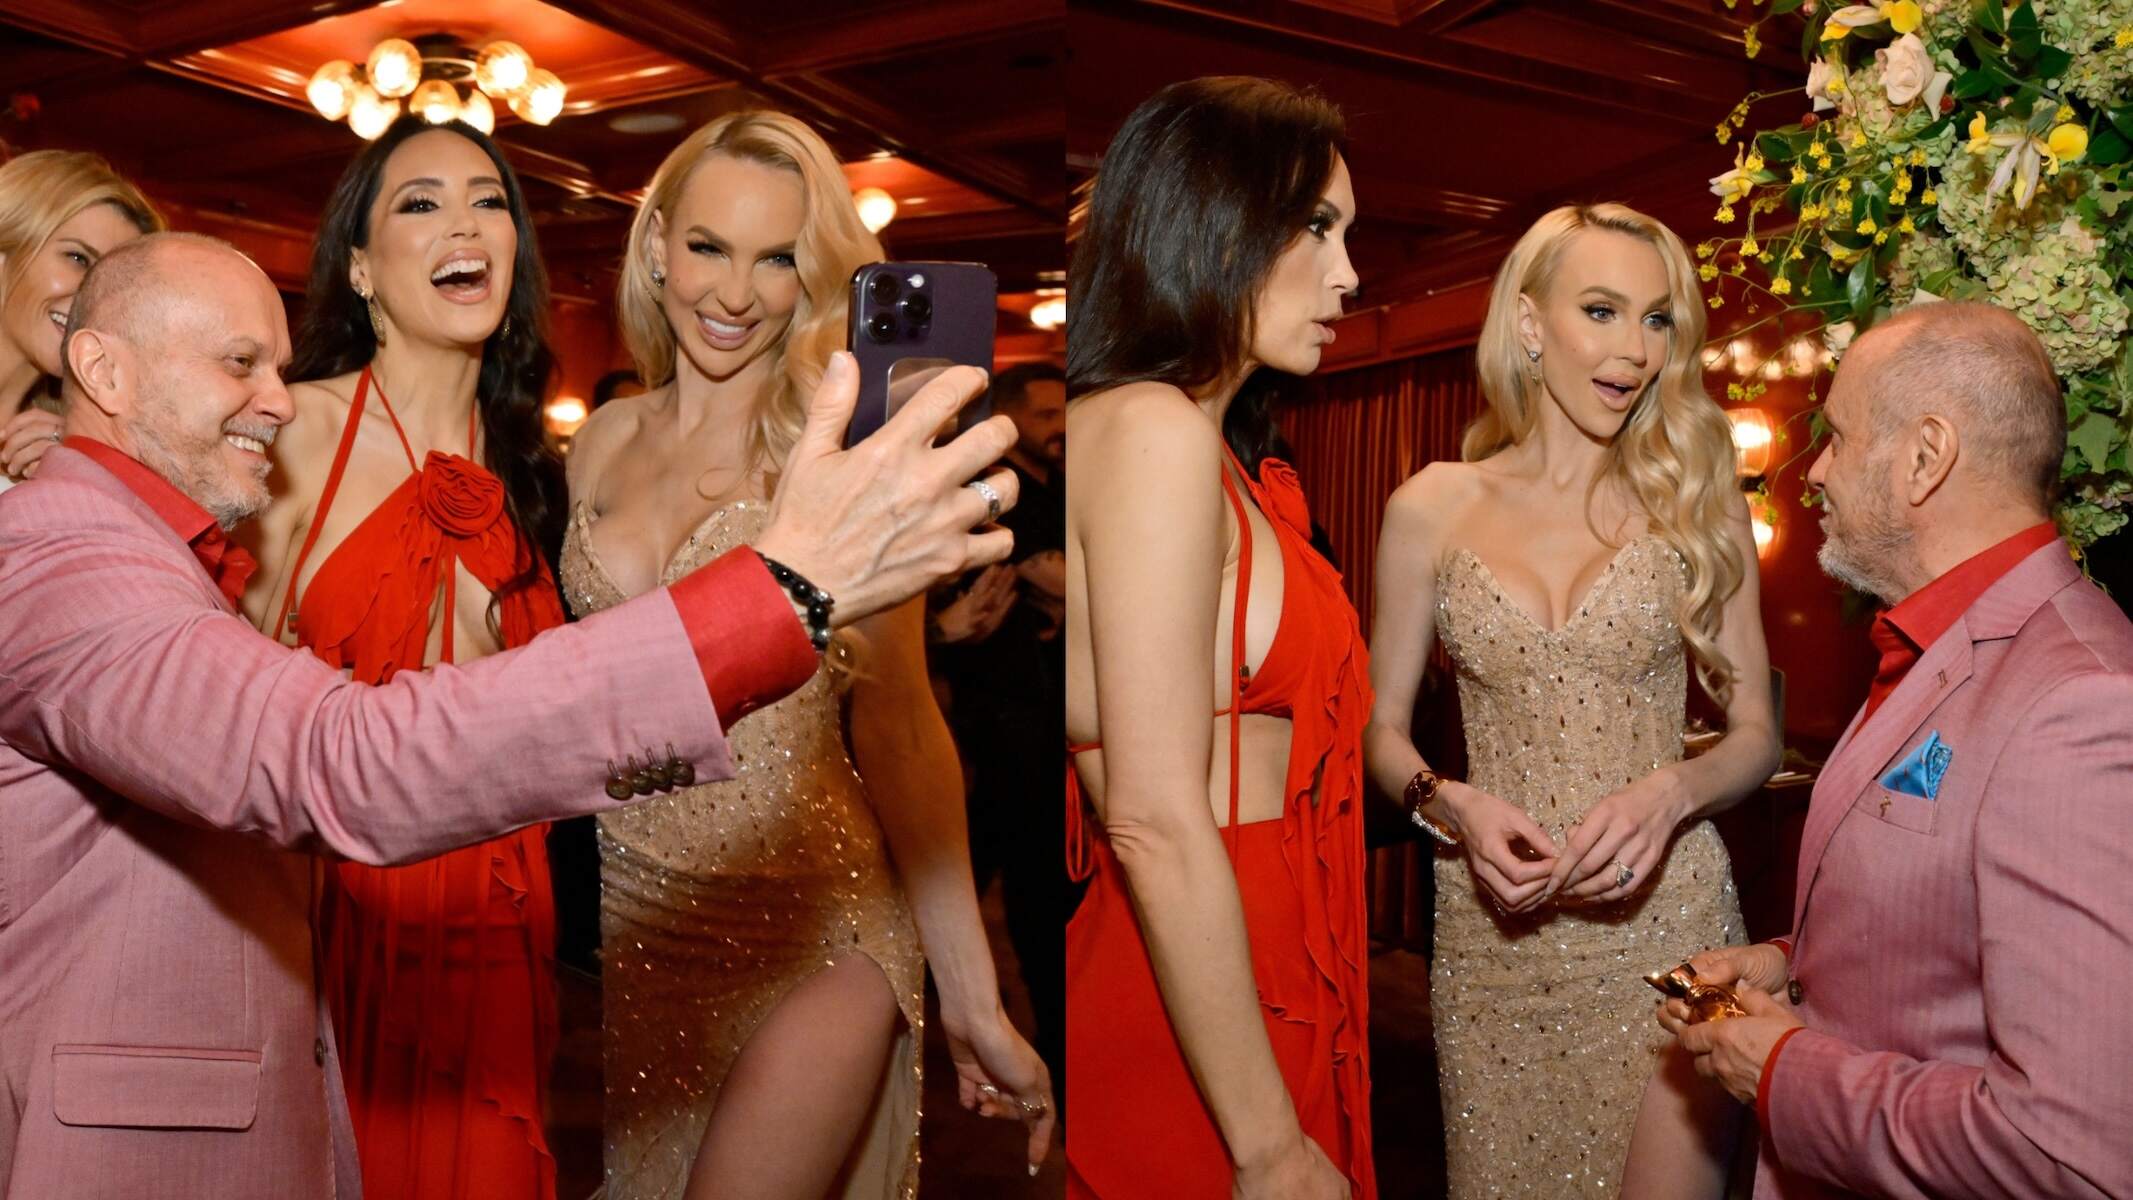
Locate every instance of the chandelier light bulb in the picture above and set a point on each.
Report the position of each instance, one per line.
(502, 69)
(876, 208)
(1049, 313)
(395, 67)
(436, 102)
(541, 100)
(332, 89)
(369, 114)
(478, 112)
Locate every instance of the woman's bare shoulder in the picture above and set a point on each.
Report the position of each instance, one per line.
(609, 428)
(1155, 418)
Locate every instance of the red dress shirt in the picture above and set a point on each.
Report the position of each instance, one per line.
(1902, 634)
(749, 642)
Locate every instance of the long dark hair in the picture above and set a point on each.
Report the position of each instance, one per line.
(336, 338)
(1201, 190)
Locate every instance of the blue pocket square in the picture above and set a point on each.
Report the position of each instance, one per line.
(1920, 771)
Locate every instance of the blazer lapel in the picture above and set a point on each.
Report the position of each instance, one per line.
(1873, 743)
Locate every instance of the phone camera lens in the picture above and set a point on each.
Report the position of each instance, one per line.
(881, 327)
(917, 309)
(883, 288)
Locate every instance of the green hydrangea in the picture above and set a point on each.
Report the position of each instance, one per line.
(2041, 263)
(2088, 29)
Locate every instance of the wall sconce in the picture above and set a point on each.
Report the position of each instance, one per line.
(1752, 439)
(565, 414)
(1762, 521)
(876, 208)
(1050, 311)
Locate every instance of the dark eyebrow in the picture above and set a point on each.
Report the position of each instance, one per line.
(433, 181)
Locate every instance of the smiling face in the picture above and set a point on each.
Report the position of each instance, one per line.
(441, 242)
(34, 314)
(1301, 298)
(727, 251)
(1865, 543)
(1602, 329)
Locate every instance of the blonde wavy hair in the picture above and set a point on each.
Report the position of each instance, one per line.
(1675, 449)
(833, 244)
(44, 189)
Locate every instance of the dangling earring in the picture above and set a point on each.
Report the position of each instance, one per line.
(377, 322)
(659, 278)
(505, 329)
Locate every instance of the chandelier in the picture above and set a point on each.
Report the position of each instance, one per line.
(429, 76)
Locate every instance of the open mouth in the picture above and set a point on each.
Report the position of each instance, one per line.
(250, 445)
(58, 317)
(726, 335)
(1615, 393)
(463, 280)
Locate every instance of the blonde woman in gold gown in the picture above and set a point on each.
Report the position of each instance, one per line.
(1590, 548)
(761, 959)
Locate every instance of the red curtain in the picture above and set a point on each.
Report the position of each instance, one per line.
(1360, 434)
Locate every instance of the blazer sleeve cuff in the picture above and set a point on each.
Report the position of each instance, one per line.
(1784, 945)
(749, 642)
(1762, 1085)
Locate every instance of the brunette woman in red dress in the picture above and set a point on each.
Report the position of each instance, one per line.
(1217, 684)
(415, 523)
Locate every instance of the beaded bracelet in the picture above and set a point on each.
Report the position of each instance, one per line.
(812, 603)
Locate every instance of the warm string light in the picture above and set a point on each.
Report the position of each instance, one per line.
(876, 208)
(1050, 311)
(369, 97)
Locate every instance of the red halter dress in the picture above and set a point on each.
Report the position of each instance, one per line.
(440, 974)
(1137, 1126)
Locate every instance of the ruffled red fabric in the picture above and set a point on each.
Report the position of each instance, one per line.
(440, 974)
(1138, 1126)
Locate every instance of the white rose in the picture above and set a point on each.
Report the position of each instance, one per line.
(1906, 68)
(1819, 73)
(1838, 337)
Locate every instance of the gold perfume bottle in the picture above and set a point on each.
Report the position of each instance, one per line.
(1706, 1001)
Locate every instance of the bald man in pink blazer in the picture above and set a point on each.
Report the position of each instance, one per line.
(166, 772)
(1951, 1020)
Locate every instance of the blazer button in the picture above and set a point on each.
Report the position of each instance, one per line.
(318, 1051)
(618, 788)
(1793, 991)
(684, 772)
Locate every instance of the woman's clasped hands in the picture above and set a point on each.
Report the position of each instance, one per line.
(1609, 855)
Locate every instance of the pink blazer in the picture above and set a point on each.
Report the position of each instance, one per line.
(1964, 961)
(165, 774)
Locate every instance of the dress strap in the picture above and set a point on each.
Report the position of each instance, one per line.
(287, 615)
(1237, 668)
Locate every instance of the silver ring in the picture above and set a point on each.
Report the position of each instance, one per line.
(1623, 875)
(992, 498)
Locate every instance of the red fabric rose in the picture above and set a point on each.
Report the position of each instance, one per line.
(460, 495)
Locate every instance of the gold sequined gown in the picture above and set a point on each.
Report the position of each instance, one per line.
(1544, 1030)
(717, 900)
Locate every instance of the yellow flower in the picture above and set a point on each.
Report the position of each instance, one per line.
(1903, 181)
(1833, 31)
(1749, 245)
(1918, 158)
(1750, 42)
(1844, 206)
(1881, 237)
(2067, 142)
(1931, 197)
(1706, 249)
(1980, 135)
(2123, 39)
(1799, 173)
(2065, 113)
(1781, 286)
(1903, 16)
(1724, 216)
(1865, 226)
(1835, 86)
(1905, 226)
(1844, 186)
(1858, 138)
(1796, 255)
(1708, 272)
(1755, 161)
(1716, 302)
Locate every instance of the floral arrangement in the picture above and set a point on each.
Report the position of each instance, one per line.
(1956, 149)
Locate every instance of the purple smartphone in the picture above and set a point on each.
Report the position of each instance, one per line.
(909, 322)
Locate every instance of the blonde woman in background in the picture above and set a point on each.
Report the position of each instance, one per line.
(761, 966)
(1589, 548)
(60, 211)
